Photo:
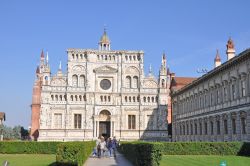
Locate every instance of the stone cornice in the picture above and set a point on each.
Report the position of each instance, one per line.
(228, 64)
(89, 51)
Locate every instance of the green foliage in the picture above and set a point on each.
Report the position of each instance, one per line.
(201, 148)
(203, 160)
(14, 133)
(142, 153)
(73, 153)
(149, 153)
(26, 147)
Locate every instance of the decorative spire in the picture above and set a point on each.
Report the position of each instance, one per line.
(217, 57)
(104, 43)
(104, 38)
(164, 55)
(150, 73)
(60, 65)
(42, 54)
(47, 57)
(217, 60)
(37, 69)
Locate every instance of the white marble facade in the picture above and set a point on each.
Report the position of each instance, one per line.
(103, 92)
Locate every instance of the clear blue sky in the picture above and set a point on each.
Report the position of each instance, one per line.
(188, 31)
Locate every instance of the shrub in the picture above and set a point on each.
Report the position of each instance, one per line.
(201, 148)
(142, 153)
(28, 147)
(73, 153)
(149, 154)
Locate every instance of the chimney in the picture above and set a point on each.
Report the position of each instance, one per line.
(230, 49)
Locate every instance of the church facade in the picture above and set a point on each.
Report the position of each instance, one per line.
(104, 92)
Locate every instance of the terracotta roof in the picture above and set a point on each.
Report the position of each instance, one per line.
(2, 115)
(182, 80)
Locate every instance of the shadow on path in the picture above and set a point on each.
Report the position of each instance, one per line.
(119, 160)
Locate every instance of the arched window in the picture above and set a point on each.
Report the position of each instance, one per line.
(148, 99)
(60, 97)
(129, 98)
(56, 98)
(85, 98)
(98, 57)
(46, 80)
(109, 98)
(162, 83)
(135, 82)
(81, 56)
(74, 80)
(71, 97)
(82, 81)
(65, 98)
(105, 98)
(126, 99)
(153, 99)
(76, 56)
(80, 98)
(144, 99)
(138, 98)
(134, 99)
(101, 98)
(52, 97)
(128, 82)
(76, 97)
(126, 57)
(73, 56)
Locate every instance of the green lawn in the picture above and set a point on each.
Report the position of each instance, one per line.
(201, 160)
(28, 159)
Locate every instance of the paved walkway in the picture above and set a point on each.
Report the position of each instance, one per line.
(106, 161)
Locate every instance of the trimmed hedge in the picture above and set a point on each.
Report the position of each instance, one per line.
(142, 153)
(28, 147)
(201, 148)
(73, 153)
(149, 153)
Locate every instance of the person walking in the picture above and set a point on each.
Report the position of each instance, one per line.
(110, 146)
(114, 145)
(98, 147)
(102, 146)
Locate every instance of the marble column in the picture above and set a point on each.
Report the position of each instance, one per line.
(111, 128)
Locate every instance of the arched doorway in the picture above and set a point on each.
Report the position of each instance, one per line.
(104, 123)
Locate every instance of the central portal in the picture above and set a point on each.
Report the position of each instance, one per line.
(104, 129)
(104, 124)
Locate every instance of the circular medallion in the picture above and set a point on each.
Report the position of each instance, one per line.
(105, 84)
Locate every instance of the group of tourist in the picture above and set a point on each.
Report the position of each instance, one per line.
(105, 147)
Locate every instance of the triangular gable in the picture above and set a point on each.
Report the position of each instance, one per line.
(105, 69)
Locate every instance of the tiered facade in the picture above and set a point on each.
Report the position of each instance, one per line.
(104, 92)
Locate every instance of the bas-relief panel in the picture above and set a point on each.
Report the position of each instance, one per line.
(58, 82)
